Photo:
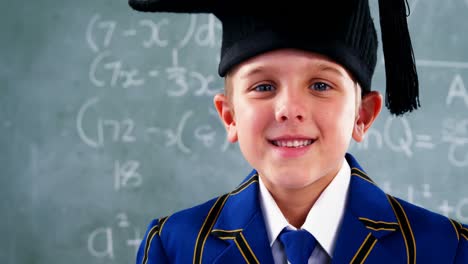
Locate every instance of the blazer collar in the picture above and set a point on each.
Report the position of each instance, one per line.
(241, 224)
(368, 217)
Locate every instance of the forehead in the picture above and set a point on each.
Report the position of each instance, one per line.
(288, 60)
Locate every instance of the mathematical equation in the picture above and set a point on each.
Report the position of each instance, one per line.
(403, 140)
(123, 130)
(399, 136)
(107, 70)
(102, 243)
(100, 33)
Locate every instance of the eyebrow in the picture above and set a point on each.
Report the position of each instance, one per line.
(253, 71)
(324, 67)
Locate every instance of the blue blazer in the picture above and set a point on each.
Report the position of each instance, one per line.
(376, 228)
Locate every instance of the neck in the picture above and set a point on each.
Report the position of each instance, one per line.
(295, 204)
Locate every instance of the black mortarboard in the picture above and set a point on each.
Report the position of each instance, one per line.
(343, 30)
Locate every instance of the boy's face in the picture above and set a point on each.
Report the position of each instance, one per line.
(294, 114)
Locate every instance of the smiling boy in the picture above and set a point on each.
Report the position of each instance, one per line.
(293, 113)
(297, 91)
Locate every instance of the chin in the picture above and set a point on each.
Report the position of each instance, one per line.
(294, 181)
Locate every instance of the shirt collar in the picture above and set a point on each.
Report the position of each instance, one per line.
(322, 221)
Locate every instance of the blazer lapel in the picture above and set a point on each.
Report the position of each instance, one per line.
(368, 218)
(240, 224)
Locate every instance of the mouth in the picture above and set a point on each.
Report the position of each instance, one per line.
(292, 143)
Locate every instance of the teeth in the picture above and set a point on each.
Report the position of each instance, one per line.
(292, 143)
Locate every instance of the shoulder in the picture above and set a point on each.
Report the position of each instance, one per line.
(418, 215)
(193, 217)
(178, 231)
(432, 231)
(432, 237)
(190, 218)
(423, 219)
(176, 236)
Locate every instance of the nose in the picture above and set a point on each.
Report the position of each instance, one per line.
(291, 107)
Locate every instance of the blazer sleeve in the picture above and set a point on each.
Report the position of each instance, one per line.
(151, 250)
(462, 252)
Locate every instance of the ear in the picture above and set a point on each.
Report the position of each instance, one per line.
(226, 114)
(369, 109)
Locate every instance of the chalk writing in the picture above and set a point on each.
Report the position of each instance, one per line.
(205, 134)
(455, 133)
(104, 236)
(101, 243)
(178, 74)
(107, 25)
(462, 210)
(401, 143)
(205, 35)
(398, 136)
(126, 174)
(107, 28)
(135, 241)
(123, 131)
(445, 208)
(204, 84)
(422, 195)
(155, 39)
(174, 137)
(100, 32)
(106, 71)
(79, 123)
(424, 141)
(118, 74)
(458, 211)
(120, 130)
(123, 220)
(458, 91)
(190, 30)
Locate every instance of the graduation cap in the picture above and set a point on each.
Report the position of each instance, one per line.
(342, 30)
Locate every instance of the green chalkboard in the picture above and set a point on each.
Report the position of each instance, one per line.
(106, 121)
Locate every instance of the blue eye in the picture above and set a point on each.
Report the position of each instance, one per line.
(320, 86)
(264, 88)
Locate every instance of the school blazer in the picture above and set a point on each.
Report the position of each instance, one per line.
(376, 228)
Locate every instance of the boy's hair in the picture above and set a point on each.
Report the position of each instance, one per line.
(342, 30)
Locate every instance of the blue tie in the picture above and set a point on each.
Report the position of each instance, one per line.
(298, 245)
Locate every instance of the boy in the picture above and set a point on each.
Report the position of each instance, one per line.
(297, 89)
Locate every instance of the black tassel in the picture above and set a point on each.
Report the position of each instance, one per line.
(402, 87)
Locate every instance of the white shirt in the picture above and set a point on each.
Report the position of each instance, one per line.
(323, 220)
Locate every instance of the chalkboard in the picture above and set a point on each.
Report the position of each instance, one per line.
(106, 121)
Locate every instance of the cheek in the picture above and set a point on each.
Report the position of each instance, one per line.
(250, 120)
(338, 121)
